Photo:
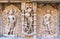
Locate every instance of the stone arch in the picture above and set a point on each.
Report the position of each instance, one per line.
(17, 12)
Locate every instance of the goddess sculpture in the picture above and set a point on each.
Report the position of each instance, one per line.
(47, 20)
(11, 21)
(28, 20)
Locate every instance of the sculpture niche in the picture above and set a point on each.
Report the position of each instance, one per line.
(47, 23)
(11, 19)
(28, 21)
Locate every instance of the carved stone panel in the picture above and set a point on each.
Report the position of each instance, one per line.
(47, 21)
(11, 20)
(28, 20)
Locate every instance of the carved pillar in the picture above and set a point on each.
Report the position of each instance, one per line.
(1, 31)
(59, 19)
(22, 16)
(35, 9)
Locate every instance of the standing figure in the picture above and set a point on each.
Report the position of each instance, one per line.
(47, 20)
(28, 20)
(11, 21)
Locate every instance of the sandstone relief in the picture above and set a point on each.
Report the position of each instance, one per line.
(48, 22)
(28, 21)
(11, 21)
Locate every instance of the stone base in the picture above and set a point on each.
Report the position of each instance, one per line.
(6, 35)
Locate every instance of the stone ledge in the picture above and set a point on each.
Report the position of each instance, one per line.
(19, 1)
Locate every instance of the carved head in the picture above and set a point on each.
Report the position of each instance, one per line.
(11, 12)
(28, 9)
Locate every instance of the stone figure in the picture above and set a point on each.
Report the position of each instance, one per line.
(11, 21)
(47, 20)
(28, 20)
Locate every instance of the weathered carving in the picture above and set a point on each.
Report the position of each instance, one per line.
(28, 21)
(47, 16)
(47, 20)
(11, 20)
(48, 23)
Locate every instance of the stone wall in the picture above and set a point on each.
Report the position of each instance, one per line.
(41, 10)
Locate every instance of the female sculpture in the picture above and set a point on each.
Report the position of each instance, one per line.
(11, 21)
(47, 20)
(28, 20)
